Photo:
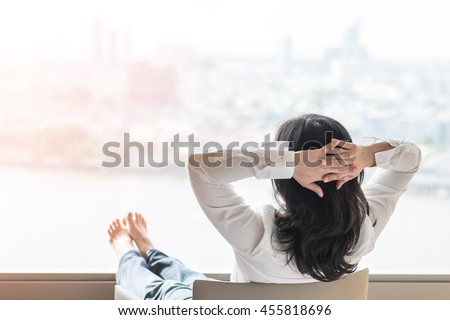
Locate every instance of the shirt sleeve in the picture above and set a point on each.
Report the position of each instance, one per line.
(395, 169)
(211, 175)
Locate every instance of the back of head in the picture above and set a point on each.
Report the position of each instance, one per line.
(318, 233)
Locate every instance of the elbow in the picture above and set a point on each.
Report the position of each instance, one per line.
(413, 157)
(417, 158)
(407, 157)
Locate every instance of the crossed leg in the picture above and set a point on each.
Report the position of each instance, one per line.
(148, 272)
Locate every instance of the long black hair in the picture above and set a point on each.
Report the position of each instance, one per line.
(318, 233)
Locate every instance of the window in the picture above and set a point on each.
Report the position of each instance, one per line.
(76, 77)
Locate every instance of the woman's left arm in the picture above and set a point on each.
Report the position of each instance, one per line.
(211, 175)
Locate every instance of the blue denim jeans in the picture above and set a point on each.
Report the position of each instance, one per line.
(159, 277)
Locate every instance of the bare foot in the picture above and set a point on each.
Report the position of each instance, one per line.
(137, 229)
(119, 238)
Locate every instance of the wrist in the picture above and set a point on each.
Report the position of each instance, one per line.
(370, 156)
(378, 147)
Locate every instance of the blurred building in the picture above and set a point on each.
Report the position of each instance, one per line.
(348, 61)
(287, 55)
(97, 42)
(149, 85)
(110, 47)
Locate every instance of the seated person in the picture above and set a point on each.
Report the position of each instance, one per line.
(325, 222)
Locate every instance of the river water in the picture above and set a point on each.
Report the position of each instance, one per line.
(58, 219)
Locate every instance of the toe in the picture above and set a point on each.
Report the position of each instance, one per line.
(130, 217)
(117, 224)
(142, 220)
(144, 223)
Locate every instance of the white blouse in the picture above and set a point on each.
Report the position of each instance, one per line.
(249, 229)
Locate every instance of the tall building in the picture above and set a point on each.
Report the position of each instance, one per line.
(113, 48)
(108, 45)
(348, 61)
(126, 45)
(287, 55)
(352, 48)
(97, 42)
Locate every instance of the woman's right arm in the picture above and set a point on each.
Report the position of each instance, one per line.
(395, 169)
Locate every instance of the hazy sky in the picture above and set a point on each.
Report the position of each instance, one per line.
(396, 29)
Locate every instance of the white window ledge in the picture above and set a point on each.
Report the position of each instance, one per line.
(88, 284)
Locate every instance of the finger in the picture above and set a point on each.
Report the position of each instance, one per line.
(331, 177)
(346, 145)
(342, 170)
(347, 155)
(338, 176)
(331, 146)
(338, 143)
(340, 146)
(311, 159)
(316, 154)
(336, 161)
(332, 162)
(315, 188)
(335, 146)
